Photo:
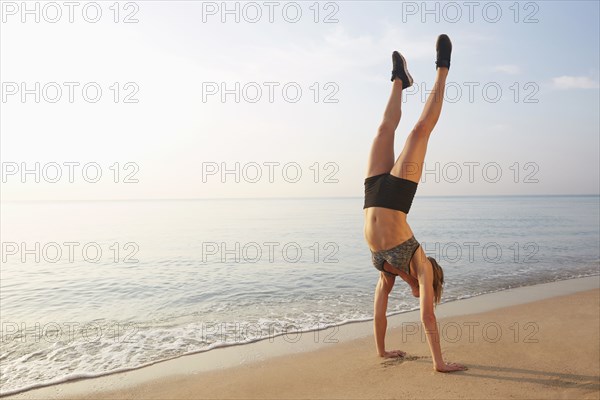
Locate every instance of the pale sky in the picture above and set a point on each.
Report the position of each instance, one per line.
(522, 97)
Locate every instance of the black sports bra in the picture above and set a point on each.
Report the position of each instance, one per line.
(389, 191)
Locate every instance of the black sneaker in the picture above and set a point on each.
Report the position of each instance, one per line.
(444, 50)
(400, 71)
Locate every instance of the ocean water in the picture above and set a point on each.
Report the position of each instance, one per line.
(88, 288)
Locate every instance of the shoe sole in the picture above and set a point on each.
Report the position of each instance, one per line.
(410, 78)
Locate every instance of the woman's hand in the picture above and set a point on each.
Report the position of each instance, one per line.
(393, 354)
(450, 367)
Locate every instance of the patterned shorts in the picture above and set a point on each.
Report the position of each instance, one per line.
(398, 257)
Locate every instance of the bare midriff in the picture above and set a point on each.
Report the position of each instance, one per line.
(385, 228)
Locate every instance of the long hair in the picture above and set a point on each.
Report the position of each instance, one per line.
(438, 280)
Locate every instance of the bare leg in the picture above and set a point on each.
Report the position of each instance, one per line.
(409, 164)
(381, 159)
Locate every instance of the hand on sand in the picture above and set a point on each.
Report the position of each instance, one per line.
(393, 354)
(450, 367)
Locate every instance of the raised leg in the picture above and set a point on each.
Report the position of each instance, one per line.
(409, 164)
(381, 158)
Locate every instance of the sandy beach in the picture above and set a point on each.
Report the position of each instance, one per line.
(240, 200)
(544, 349)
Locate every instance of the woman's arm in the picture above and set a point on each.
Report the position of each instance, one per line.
(382, 292)
(430, 323)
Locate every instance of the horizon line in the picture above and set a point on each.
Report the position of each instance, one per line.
(289, 198)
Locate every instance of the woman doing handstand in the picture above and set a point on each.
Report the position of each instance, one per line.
(390, 187)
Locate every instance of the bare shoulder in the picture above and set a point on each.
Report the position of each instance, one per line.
(386, 282)
(427, 294)
(422, 267)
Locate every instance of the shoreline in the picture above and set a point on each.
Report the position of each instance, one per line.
(244, 355)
